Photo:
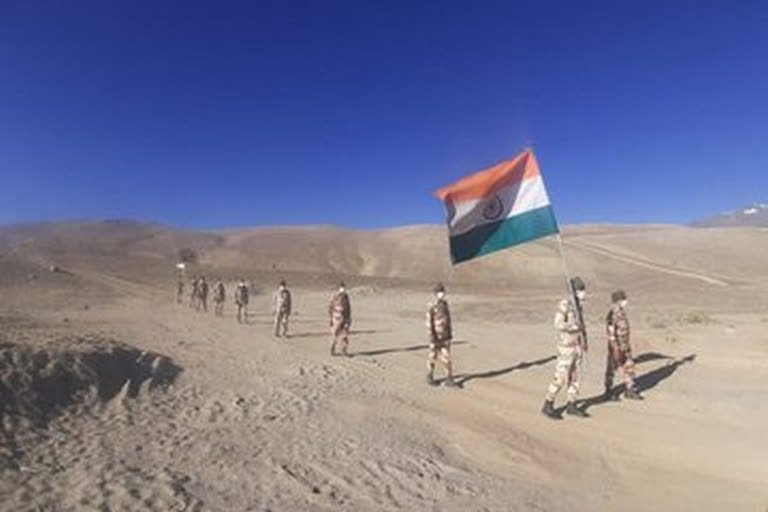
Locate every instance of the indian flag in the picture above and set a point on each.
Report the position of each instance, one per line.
(498, 207)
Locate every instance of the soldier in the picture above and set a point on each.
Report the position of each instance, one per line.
(219, 295)
(202, 290)
(340, 319)
(282, 302)
(241, 299)
(440, 334)
(571, 346)
(194, 293)
(179, 290)
(619, 350)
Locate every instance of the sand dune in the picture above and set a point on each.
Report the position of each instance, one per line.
(115, 398)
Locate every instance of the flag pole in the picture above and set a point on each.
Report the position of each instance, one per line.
(572, 294)
(566, 272)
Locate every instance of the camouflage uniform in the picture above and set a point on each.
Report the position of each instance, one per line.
(569, 352)
(282, 301)
(219, 295)
(340, 313)
(202, 291)
(440, 333)
(619, 354)
(194, 293)
(571, 346)
(241, 299)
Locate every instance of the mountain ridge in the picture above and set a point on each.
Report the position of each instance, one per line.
(754, 215)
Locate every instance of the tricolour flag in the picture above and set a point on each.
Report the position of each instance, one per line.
(498, 207)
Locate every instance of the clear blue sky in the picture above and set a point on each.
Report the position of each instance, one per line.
(219, 114)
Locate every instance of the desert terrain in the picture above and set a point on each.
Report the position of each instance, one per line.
(113, 397)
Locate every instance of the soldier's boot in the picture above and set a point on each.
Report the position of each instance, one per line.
(449, 382)
(345, 350)
(333, 348)
(549, 410)
(610, 395)
(632, 394)
(573, 410)
(431, 378)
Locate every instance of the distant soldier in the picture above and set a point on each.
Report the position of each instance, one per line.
(241, 300)
(194, 293)
(571, 347)
(282, 304)
(440, 334)
(180, 290)
(619, 349)
(219, 295)
(202, 290)
(340, 319)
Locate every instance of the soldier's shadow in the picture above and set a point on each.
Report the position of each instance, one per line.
(327, 334)
(464, 378)
(644, 382)
(412, 348)
(324, 334)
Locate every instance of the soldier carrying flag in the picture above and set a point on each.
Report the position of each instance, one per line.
(503, 206)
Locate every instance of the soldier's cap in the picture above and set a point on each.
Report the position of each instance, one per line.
(282, 283)
(342, 285)
(439, 288)
(577, 284)
(618, 295)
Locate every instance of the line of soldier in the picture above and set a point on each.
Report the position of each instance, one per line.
(572, 346)
(198, 299)
(568, 322)
(339, 308)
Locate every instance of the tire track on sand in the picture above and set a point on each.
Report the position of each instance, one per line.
(648, 264)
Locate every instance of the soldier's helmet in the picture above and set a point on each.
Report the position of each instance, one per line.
(618, 296)
(282, 283)
(577, 284)
(342, 285)
(439, 288)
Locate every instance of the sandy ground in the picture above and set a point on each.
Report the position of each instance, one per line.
(136, 403)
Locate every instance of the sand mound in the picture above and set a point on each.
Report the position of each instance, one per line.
(39, 384)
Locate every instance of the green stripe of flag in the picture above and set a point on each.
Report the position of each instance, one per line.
(511, 231)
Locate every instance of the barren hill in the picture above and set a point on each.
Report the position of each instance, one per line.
(656, 258)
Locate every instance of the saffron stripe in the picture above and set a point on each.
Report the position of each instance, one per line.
(483, 184)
